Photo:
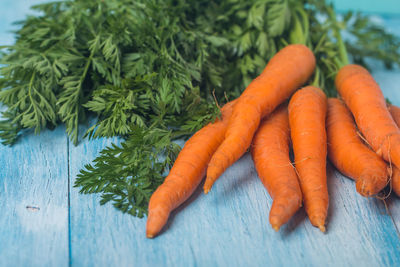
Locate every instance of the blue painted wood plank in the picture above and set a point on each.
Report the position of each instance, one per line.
(394, 207)
(10, 12)
(34, 201)
(230, 227)
(33, 183)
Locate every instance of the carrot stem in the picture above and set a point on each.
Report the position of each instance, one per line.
(343, 55)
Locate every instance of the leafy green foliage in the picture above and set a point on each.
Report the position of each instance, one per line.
(278, 17)
(371, 40)
(151, 70)
(8, 130)
(136, 170)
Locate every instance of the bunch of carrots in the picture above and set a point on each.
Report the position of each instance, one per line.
(358, 132)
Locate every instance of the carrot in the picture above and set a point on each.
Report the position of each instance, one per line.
(350, 155)
(284, 73)
(365, 100)
(395, 112)
(187, 172)
(270, 152)
(307, 111)
(396, 180)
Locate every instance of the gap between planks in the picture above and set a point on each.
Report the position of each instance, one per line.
(69, 205)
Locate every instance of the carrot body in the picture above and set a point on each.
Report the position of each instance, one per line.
(187, 172)
(395, 112)
(307, 112)
(350, 155)
(365, 100)
(270, 152)
(396, 180)
(284, 73)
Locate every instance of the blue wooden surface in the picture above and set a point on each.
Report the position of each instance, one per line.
(34, 201)
(46, 222)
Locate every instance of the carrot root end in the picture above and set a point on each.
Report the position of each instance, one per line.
(148, 235)
(319, 222)
(275, 227)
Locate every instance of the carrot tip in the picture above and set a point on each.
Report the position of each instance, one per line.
(150, 236)
(318, 221)
(207, 185)
(275, 227)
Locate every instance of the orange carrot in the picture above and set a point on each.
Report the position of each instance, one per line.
(396, 180)
(307, 111)
(187, 172)
(395, 112)
(350, 155)
(365, 100)
(284, 73)
(270, 152)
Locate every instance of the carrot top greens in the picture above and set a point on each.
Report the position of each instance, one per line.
(149, 70)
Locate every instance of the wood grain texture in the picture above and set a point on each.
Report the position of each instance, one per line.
(394, 208)
(34, 201)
